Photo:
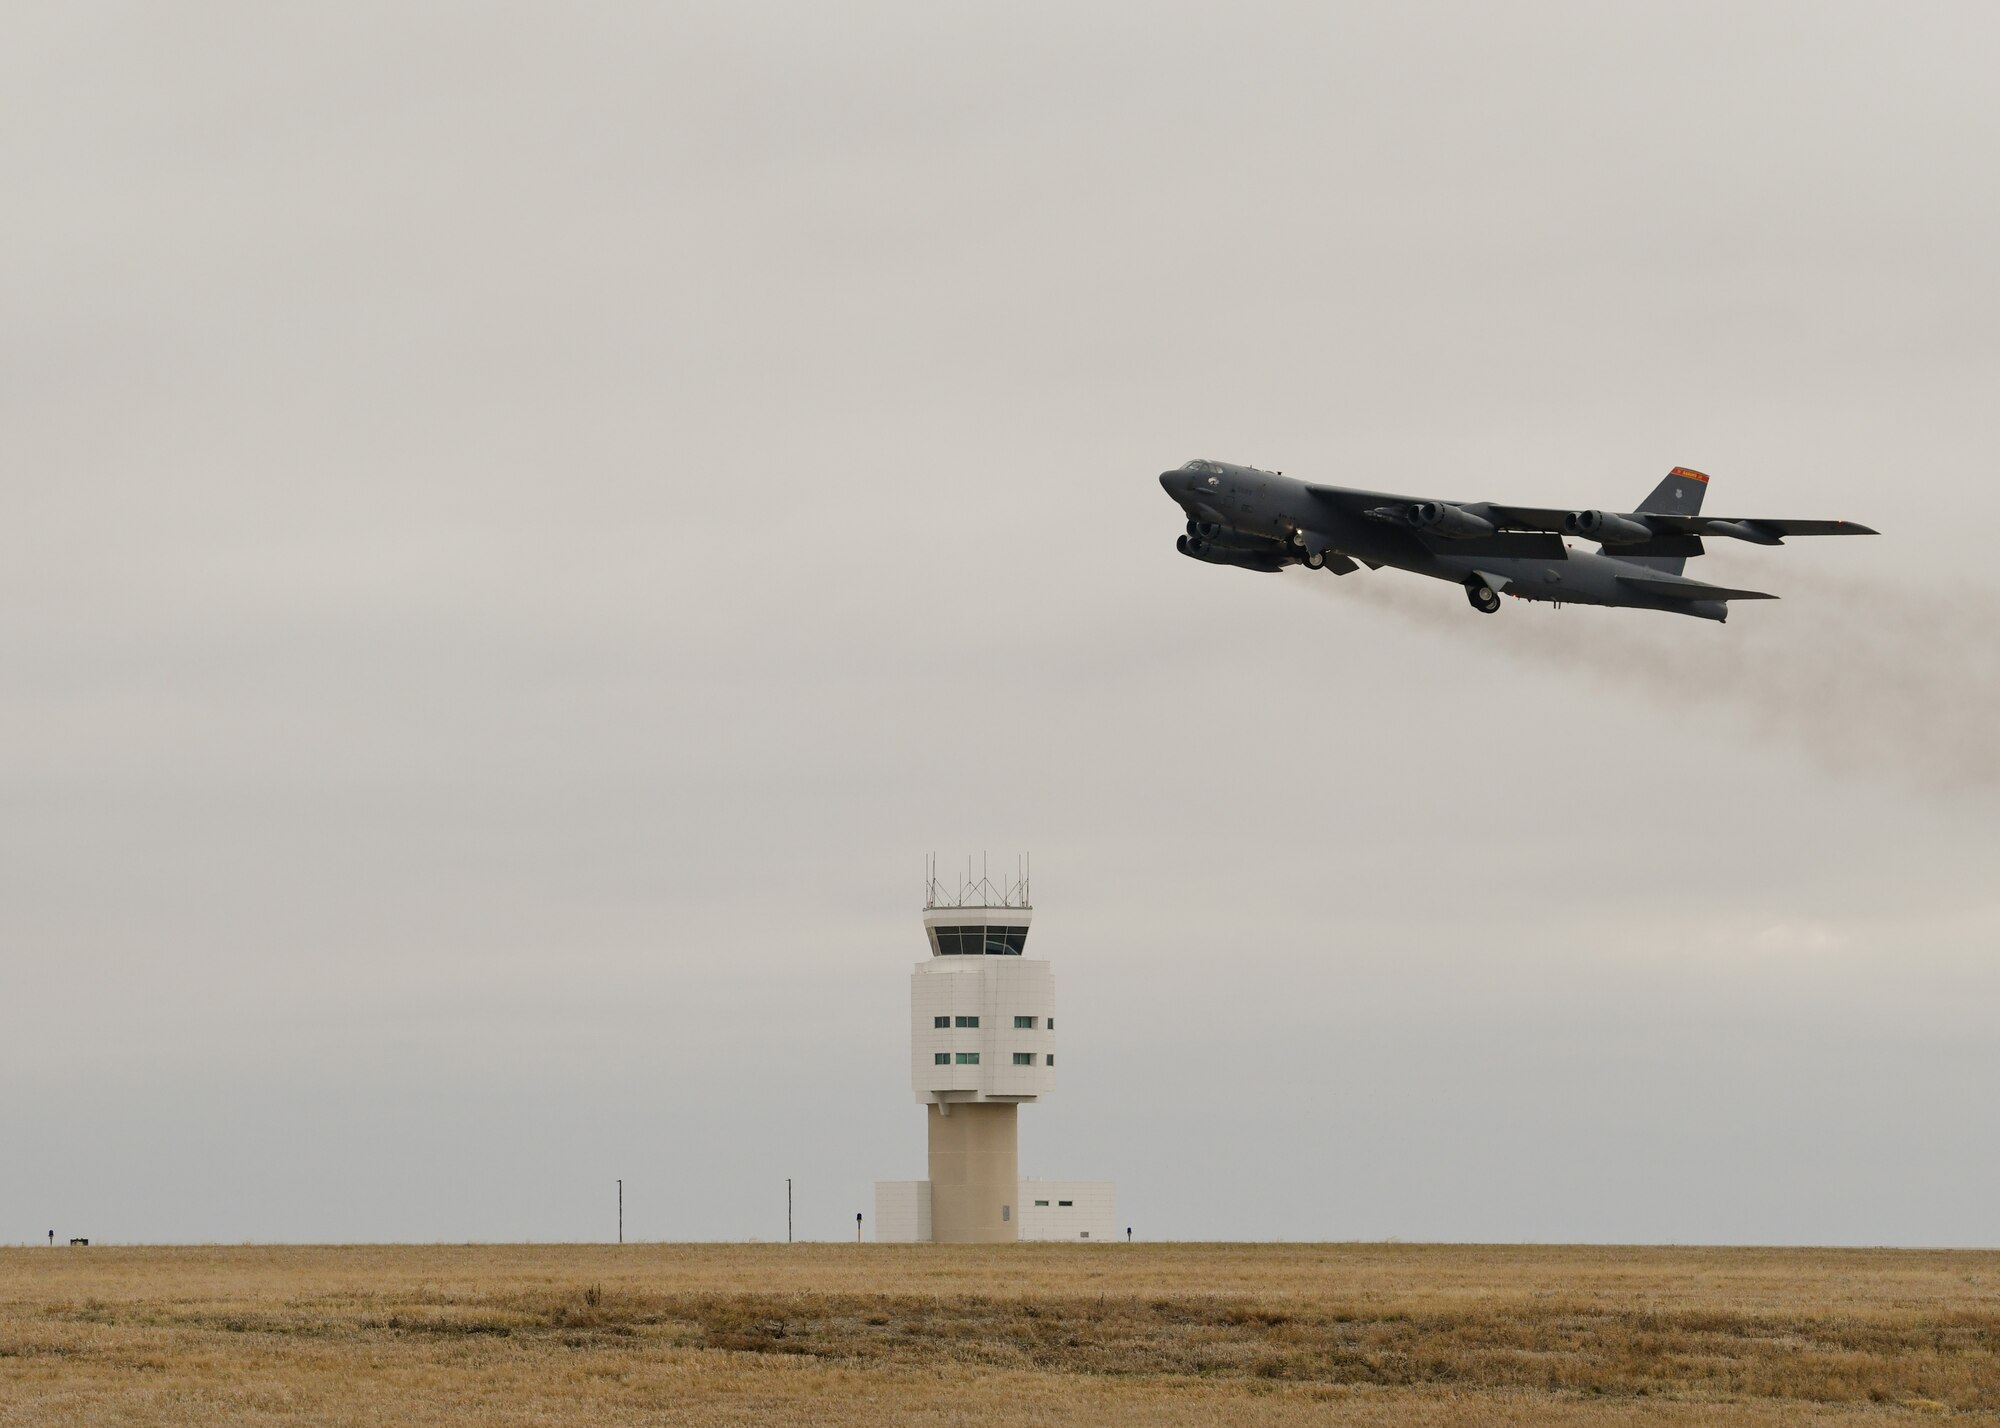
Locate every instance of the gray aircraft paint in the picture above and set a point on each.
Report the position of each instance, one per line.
(1266, 521)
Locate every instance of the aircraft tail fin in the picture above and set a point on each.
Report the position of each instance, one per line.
(1679, 495)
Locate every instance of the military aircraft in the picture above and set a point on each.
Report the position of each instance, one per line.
(1262, 520)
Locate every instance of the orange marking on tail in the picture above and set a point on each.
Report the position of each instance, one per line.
(1691, 475)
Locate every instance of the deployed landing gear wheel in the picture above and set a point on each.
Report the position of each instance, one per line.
(1314, 560)
(1483, 597)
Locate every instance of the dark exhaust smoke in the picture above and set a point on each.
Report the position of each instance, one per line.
(1862, 678)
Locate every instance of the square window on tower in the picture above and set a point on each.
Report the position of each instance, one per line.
(1024, 1058)
(940, 1021)
(1052, 1023)
(1024, 1023)
(968, 1058)
(940, 1058)
(971, 1021)
(1052, 1058)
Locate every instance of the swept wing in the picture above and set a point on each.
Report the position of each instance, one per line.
(1765, 530)
(1532, 542)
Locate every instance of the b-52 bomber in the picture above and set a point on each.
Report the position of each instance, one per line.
(1262, 520)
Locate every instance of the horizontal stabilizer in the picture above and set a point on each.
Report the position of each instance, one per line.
(1688, 589)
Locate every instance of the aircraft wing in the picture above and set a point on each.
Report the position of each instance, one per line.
(1754, 525)
(1550, 518)
(1527, 545)
(1535, 542)
(1768, 530)
(1511, 518)
(1688, 589)
(1526, 518)
(1359, 503)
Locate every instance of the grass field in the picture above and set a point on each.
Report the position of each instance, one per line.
(1148, 1334)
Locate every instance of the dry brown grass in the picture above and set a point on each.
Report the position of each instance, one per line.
(1153, 1334)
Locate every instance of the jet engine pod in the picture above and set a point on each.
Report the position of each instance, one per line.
(1444, 519)
(1607, 529)
(1743, 530)
(1267, 559)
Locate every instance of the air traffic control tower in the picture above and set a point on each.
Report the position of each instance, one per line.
(982, 1044)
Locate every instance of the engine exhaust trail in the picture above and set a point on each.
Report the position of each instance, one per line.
(1865, 679)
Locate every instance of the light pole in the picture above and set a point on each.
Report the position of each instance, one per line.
(788, 1209)
(621, 1212)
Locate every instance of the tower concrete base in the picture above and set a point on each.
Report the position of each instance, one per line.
(975, 1172)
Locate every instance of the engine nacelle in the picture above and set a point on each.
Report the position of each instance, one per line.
(1268, 559)
(1607, 529)
(1444, 519)
(1229, 538)
(1743, 530)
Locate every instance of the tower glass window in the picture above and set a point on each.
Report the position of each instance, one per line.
(1024, 1023)
(940, 1021)
(968, 1058)
(940, 1058)
(980, 941)
(1024, 1058)
(971, 1021)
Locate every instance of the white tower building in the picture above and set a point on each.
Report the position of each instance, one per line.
(982, 1044)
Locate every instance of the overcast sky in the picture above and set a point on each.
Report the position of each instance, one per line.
(524, 525)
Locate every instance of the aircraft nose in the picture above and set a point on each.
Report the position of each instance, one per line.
(1172, 482)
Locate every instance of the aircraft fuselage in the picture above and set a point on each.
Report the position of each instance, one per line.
(1277, 521)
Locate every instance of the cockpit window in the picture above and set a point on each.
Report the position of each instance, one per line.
(1199, 465)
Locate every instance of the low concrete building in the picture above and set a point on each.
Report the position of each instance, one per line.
(1070, 1210)
(903, 1211)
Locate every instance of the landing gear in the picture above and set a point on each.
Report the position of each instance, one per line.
(1484, 598)
(1313, 560)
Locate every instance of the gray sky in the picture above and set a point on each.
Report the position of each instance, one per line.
(524, 526)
